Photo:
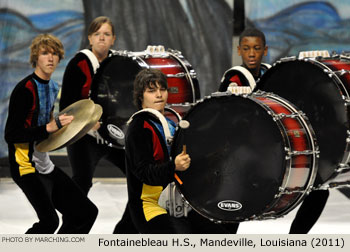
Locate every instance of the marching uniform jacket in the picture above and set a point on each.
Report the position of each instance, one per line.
(148, 168)
(22, 129)
(76, 80)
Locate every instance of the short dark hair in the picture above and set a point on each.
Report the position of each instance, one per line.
(252, 32)
(147, 78)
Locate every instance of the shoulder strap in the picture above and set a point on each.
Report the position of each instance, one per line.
(246, 74)
(94, 61)
(159, 116)
(265, 65)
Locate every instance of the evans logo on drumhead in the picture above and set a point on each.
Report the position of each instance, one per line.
(229, 205)
(115, 132)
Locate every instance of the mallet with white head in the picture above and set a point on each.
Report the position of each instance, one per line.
(184, 124)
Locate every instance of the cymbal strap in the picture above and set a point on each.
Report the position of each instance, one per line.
(58, 123)
(86, 113)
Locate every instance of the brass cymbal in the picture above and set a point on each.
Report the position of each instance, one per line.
(86, 114)
(93, 120)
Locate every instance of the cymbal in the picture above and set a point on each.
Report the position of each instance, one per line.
(93, 120)
(86, 114)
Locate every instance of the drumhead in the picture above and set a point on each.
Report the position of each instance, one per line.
(237, 158)
(319, 96)
(112, 88)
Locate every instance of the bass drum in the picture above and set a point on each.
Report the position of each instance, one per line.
(320, 88)
(112, 87)
(252, 157)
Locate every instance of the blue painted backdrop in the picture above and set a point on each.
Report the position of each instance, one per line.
(296, 25)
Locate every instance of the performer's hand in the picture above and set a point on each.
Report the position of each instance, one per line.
(182, 162)
(63, 120)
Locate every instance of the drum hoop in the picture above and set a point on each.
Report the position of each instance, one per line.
(332, 76)
(311, 138)
(142, 63)
(284, 135)
(344, 93)
(188, 75)
(345, 96)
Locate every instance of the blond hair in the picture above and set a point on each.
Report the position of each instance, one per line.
(46, 41)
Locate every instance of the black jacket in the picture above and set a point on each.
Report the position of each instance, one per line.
(148, 168)
(21, 130)
(76, 81)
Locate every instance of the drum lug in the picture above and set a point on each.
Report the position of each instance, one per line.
(342, 72)
(287, 150)
(176, 52)
(124, 53)
(342, 167)
(177, 75)
(345, 56)
(288, 191)
(253, 217)
(193, 74)
(346, 100)
(330, 73)
(262, 93)
(270, 217)
(280, 116)
(306, 152)
(141, 62)
(296, 153)
(309, 189)
(285, 59)
(347, 140)
(217, 94)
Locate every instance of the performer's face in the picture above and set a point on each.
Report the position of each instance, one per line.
(252, 50)
(102, 40)
(47, 62)
(155, 97)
